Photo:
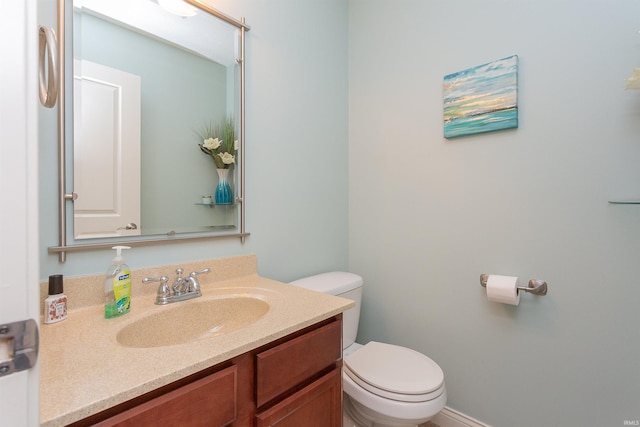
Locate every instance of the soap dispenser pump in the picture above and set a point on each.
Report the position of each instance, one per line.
(117, 286)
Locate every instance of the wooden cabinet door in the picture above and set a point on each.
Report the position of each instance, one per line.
(317, 405)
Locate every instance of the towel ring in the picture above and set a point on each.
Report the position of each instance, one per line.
(48, 83)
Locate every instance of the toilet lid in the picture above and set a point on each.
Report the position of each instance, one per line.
(395, 369)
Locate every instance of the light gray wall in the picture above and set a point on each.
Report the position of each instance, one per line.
(427, 216)
(297, 149)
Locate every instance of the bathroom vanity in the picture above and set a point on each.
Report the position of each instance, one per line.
(278, 369)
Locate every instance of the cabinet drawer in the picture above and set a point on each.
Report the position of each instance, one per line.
(209, 401)
(287, 365)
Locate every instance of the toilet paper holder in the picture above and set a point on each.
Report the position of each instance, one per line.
(536, 287)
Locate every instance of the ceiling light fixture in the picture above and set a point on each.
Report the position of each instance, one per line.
(178, 7)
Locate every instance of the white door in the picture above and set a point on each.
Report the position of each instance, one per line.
(106, 151)
(19, 404)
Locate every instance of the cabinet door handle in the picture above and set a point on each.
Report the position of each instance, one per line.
(48, 83)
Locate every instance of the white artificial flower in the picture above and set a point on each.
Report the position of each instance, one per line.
(227, 158)
(235, 145)
(633, 82)
(211, 143)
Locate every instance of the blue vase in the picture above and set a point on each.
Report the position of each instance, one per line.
(224, 194)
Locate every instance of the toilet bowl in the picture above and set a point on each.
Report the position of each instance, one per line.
(405, 387)
(383, 384)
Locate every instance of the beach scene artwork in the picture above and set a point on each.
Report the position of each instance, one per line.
(482, 98)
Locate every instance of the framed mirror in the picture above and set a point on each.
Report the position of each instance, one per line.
(154, 124)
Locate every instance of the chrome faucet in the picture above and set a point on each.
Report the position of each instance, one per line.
(179, 285)
(183, 288)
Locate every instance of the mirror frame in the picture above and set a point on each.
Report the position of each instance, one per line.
(64, 196)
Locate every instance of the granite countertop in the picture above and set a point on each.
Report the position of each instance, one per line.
(84, 370)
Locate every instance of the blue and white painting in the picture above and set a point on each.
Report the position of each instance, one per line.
(481, 99)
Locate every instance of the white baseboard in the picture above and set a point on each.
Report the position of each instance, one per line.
(451, 418)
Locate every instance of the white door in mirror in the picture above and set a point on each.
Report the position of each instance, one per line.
(106, 145)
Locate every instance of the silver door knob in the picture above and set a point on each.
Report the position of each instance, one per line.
(130, 226)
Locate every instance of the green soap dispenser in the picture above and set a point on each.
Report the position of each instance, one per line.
(117, 286)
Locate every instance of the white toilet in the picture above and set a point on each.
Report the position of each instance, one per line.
(384, 384)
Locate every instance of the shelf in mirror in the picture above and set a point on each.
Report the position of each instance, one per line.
(214, 204)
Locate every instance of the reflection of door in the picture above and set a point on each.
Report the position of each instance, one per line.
(106, 151)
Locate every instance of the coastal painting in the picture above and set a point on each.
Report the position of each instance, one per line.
(482, 98)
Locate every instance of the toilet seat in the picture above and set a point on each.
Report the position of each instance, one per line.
(395, 372)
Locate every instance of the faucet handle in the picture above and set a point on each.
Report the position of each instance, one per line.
(155, 279)
(193, 281)
(163, 289)
(195, 273)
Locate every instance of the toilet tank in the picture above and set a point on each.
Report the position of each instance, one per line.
(344, 285)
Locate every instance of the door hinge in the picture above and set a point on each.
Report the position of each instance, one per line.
(20, 341)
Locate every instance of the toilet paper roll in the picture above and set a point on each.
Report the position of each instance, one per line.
(503, 289)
